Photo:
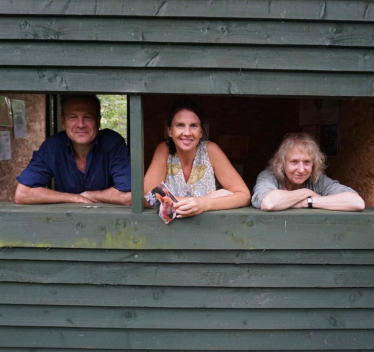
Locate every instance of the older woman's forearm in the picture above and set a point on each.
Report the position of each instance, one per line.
(281, 200)
(346, 201)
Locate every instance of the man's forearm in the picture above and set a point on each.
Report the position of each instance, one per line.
(110, 195)
(41, 195)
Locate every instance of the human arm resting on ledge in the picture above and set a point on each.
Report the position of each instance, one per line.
(41, 195)
(280, 200)
(157, 170)
(345, 201)
(110, 195)
(237, 196)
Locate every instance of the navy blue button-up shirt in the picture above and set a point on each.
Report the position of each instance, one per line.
(107, 165)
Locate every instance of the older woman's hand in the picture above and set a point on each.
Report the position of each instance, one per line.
(190, 206)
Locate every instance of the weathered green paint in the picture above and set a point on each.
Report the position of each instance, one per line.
(174, 81)
(351, 257)
(196, 275)
(184, 297)
(114, 227)
(187, 31)
(278, 9)
(137, 162)
(185, 339)
(24, 53)
(188, 319)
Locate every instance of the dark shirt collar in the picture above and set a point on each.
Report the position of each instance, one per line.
(69, 144)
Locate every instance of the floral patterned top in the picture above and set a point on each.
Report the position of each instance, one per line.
(201, 180)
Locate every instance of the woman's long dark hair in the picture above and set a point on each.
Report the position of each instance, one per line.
(179, 105)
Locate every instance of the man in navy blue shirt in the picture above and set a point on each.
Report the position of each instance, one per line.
(89, 166)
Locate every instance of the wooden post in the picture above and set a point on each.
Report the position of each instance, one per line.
(137, 152)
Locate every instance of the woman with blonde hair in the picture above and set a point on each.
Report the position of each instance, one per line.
(295, 179)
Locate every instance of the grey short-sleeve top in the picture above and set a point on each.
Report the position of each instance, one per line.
(267, 182)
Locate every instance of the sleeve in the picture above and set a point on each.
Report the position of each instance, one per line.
(119, 165)
(37, 173)
(328, 187)
(266, 182)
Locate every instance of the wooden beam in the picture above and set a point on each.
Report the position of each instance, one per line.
(219, 340)
(181, 297)
(277, 9)
(173, 81)
(189, 319)
(352, 257)
(137, 153)
(115, 227)
(195, 31)
(192, 275)
(106, 55)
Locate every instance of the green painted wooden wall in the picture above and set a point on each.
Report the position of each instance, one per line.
(257, 47)
(76, 277)
(110, 278)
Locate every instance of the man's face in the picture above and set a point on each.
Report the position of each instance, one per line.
(80, 121)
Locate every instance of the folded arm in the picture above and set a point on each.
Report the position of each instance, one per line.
(110, 195)
(41, 195)
(281, 200)
(346, 201)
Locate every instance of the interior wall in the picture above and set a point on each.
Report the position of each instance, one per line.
(354, 165)
(22, 149)
(265, 121)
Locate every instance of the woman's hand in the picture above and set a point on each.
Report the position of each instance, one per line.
(190, 206)
(303, 203)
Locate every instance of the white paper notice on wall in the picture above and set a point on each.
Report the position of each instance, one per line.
(19, 118)
(5, 150)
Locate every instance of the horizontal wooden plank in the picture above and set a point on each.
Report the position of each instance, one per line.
(277, 9)
(114, 227)
(171, 319)
(186, 339)
(187, 31)
(186, 56)
(9, 349)
(197, 275)
(356, 257)
(171, 81)
(184, 297)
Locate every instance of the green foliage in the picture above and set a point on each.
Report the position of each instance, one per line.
(114, 113)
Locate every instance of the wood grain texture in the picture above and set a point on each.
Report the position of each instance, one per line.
(137, 153)
(187, 31)
(276, 9)
(195, 275)
(23, 53)
(114, 227)
(173, 81)
(186, 339)
(188, 319)
(184, 297)
(355, 257)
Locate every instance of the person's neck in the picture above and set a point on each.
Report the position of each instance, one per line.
(291, 187)
(186, 159)
(81, 151)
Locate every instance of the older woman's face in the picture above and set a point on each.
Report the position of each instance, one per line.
(298, 168)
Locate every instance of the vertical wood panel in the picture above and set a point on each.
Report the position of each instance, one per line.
(137, 152)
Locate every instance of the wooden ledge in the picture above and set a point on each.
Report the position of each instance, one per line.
(105, 226)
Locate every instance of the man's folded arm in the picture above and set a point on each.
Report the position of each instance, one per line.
(110, 195)
(42, 195)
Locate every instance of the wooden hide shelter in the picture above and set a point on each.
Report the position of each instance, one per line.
(112, 278)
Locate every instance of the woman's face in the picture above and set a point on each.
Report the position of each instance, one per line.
(298, 167)
(186, 130)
